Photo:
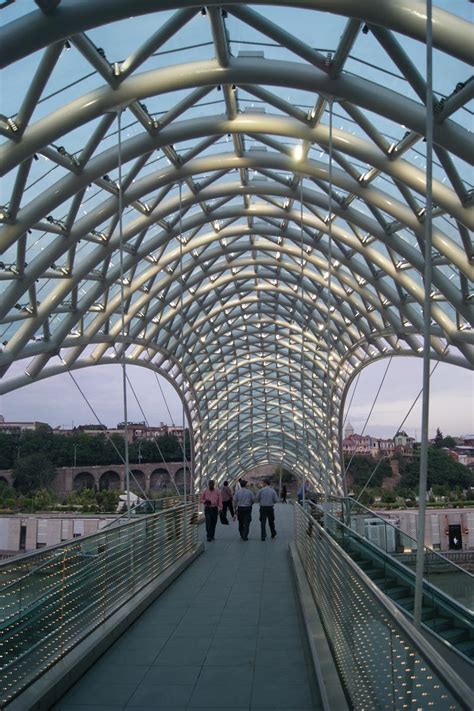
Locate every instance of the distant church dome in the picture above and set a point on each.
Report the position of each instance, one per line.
(349, 430)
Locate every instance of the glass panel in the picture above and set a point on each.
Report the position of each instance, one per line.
(364, 524)
(382, 660)
(52, 599)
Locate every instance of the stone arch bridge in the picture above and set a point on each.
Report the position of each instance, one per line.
(150, 477)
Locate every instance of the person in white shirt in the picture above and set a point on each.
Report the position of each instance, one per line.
(243, 500)
(267, 498)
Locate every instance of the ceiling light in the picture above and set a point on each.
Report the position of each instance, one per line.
(298, 152)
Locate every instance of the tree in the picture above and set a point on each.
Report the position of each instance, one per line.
(440, 490)
(107, 501)
(456, 494)
(147, 449)
(388, 497)
(85, 498)
(442, 469)
(438, 439)
(366, 498)
(449, 442)
(43, 500)
(405, 492)
(362, 467)
(87, 449)
(33, 472)
(8, 450)
(403, 462)
(7, 495)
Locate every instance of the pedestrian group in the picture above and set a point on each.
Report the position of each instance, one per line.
(217, 502)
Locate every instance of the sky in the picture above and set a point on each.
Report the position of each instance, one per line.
(451, 399)
(58, 402)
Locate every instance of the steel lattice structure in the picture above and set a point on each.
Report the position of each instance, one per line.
(258, 283)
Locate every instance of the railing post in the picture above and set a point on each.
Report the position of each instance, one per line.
(426, 324)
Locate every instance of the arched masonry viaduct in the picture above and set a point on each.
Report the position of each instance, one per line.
(155, 477)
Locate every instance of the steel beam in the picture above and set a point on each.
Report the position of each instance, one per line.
(240, 71)
(34, 31)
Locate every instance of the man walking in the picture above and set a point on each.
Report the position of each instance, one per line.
(267, 498)
(243, 500)
(211, 498)
(226, 496)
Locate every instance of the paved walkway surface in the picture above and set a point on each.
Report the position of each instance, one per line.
(225, 635)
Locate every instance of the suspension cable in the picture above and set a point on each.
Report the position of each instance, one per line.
(122, 308)
(107, 436)
(397, 430)
(371, 410)
(154, 438)
(164, 398)
(169, 412)
(418, 396)
(352, 397)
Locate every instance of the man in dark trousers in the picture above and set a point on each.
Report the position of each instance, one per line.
(267, 498)
(226, 496)
(243, 500)
(211, 498)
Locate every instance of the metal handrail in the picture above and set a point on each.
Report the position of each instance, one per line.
(395, 562)
(46, 549)
(45, 616)
(429, 550)
(175, 500)
(24, 557)
(456, 686)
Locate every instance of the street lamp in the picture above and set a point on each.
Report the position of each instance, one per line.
(75, 454)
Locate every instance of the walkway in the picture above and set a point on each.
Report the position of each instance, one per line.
(226, 635)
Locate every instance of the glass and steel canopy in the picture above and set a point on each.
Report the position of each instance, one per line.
(252, 178)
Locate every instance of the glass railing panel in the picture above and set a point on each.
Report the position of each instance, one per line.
(50, 600)
(439, 571)
(382, 660)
